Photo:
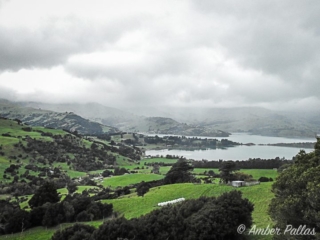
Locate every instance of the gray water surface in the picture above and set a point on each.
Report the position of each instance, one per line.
(241, 152)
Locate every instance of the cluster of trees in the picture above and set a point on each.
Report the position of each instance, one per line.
(47, 210)
(255, 163)
(143, 188)
(190, 141)
(119, 171)
(297, 194)
(203, 218)
(130, 152)
(180, 172)
(85, 159)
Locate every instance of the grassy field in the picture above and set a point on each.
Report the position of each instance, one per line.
(133, 206)
(163, 160)
(125, 180)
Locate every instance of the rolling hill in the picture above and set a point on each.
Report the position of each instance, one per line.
(28, 153)
(63, 120)
(253, 120)
(195, 121)
(127, 121)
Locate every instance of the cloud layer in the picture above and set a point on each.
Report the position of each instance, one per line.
(158, 53)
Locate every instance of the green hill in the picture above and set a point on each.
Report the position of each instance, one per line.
(30, 154)
(50, 119)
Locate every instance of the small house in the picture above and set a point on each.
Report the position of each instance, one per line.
(238, 183)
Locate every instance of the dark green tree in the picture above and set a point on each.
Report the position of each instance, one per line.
(180, 172)
(46, 193)
(226, 171)
(19, 221)
(72, 187)
(297, 193)
(143, 188)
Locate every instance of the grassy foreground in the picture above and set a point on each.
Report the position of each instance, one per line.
(132, 206)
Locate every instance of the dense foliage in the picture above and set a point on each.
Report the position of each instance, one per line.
(203, 218)
(46, 193)
(194, 142)
(255, 163)
(48, 213)
(76, 232)
(297, 194)
(143, 188)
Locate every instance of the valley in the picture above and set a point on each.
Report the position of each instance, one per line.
(110, 167)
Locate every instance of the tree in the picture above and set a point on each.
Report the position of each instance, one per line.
(226, 171)
(18, 221)
(297, 193)
(180, 172)
(211, 173)
(46, 193)
(51, 216)
(143, 188)
(242, 176)
(72, 187)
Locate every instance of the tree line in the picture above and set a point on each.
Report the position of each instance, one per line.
(253, 163)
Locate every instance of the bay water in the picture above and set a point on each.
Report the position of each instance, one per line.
(242, 152)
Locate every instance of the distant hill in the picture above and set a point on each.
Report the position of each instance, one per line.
(93, 111)
(63, 120)
(254, 120)
(163, 125)
(196, 121)
(127, 121)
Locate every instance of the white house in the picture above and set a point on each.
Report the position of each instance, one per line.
(238, 183)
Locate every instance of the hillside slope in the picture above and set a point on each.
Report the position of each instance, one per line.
(31, 154)
(46, 118)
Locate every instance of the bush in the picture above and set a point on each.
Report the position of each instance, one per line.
(75, 232)
(265, 179)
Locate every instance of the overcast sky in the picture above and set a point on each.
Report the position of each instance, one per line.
(150, 53)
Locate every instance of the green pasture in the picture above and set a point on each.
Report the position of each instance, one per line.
(125, 180)
(152, 160)
(132, 206)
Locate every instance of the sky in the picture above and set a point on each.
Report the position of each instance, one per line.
(192, 53)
